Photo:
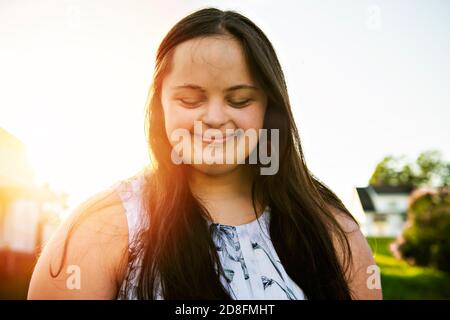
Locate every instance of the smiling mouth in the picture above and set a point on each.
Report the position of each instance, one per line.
(214, 140)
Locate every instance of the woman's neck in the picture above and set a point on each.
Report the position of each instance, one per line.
(221, 187)
(227, 196)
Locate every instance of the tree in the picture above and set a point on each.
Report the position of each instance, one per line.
(429, 169)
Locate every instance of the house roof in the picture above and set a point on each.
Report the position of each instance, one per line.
(368, 194)
(392, 189)
(366, 200)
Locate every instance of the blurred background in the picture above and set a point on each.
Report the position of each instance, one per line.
(369, 86)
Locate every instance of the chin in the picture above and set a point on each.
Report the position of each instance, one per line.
(215, 169)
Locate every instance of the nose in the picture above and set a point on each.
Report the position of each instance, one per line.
(215, 115)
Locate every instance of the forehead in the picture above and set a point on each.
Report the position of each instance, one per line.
(214, 61)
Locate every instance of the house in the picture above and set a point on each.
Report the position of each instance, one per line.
(384, 207)
(29, 214)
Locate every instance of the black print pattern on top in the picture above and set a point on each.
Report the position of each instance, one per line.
(227, 245)
(267, 281)
(256, 246)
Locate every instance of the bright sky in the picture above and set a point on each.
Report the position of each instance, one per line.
(366, 79)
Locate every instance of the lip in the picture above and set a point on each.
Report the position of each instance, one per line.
(214, 140)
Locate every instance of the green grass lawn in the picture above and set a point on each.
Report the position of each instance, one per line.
(402, 281)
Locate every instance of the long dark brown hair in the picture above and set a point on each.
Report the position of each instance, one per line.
(177, 250)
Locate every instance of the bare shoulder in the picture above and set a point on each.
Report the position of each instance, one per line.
(102, 211)
(363, 276)
(86, 256)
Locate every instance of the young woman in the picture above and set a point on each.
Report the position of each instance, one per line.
(202, 230)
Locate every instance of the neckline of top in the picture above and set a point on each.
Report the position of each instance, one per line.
(263, 216)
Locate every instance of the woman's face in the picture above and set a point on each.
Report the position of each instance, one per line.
(209, 86)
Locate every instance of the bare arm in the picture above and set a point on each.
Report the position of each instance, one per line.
(95, 257)
(363, 276)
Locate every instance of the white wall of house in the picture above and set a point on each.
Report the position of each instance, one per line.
(390, 203)
(384, 225)
(22, 218)
(20, 225)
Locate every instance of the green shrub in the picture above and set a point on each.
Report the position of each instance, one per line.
(425, 240)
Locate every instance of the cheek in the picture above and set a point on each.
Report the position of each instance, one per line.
(251, 118)
(177, 118)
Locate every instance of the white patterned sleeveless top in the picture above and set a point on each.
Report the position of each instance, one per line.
(251, 265)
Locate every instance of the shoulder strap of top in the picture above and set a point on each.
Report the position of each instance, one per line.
(130, 193)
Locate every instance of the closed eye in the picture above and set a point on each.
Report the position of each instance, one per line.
(240, 104)
(189, 103)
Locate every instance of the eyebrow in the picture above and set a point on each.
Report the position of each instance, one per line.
(233, 88)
